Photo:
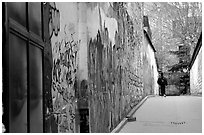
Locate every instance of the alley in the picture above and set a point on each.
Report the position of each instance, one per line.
(171, 114)
(83, 67)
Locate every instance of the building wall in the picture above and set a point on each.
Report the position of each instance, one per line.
(114, 63)
(196, 75)
(65, 45)
(97, 64)
(149, 70)
(92, 61)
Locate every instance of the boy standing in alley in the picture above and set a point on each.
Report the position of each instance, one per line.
(162, 81)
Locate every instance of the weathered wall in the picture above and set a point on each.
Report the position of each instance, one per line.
(115, 78)
(97, 64)
(65, 45)
(196, 75)
(149, 69)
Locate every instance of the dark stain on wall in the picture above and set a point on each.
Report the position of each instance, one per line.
(83, 107)
(54, 19)
(114, 85)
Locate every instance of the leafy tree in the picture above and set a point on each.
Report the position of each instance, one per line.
(176, 27)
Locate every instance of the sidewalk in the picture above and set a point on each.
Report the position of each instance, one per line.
(173, 114)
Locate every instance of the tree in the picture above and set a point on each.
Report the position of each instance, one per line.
(176, 27)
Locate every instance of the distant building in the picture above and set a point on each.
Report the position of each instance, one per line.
(150, 65)
(195, 68)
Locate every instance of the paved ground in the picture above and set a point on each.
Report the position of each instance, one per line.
(171, 114)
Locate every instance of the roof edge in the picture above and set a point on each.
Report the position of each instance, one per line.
(196, 51)
(146, 34)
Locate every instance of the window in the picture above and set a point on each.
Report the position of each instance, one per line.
(24, 75)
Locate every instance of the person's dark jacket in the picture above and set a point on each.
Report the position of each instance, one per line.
(162, 82)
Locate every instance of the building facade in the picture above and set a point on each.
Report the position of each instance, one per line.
(195, 68)
(150, 65)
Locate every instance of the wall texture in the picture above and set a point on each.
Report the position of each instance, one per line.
(115, 63)
(97, 64)
(196, 75)
(65, 45)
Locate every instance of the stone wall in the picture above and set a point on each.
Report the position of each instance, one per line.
(115, 63)
(196, 75)
(97, 64)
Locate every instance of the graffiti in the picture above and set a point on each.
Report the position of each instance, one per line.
(64, 72)
(54, 19)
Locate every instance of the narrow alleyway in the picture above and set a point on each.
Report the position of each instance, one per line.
(173, 114)
(85, 67)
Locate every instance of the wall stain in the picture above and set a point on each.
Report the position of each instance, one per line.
(115, 85)
(54, 19)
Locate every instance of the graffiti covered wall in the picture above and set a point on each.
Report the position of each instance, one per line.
(65, 46)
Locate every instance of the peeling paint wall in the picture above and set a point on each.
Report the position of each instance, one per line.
(115, 63)
(196, 75)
